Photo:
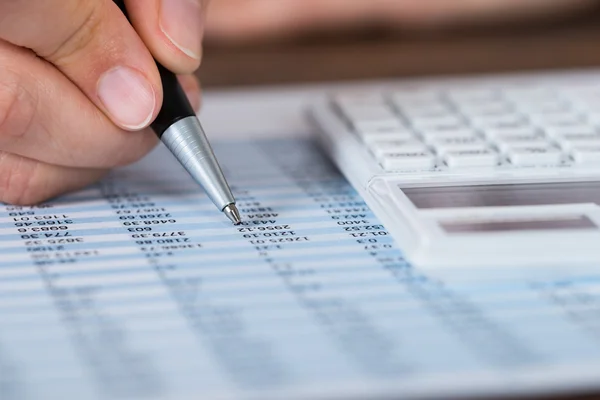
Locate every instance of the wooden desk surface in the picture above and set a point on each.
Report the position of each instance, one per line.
(567, 44)
(572, 43)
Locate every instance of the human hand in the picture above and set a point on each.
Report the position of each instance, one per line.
(242, 20)
(79, 87)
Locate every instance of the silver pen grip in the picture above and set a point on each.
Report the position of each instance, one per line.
(188, 143)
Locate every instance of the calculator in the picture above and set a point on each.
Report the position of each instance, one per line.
(475, 172)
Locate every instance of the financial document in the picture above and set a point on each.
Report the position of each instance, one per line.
(138, 288)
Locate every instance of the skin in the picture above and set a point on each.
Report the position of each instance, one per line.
(251, 20)
(79, 87)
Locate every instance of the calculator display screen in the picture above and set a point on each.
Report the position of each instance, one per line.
(504, 195)
(558, 223)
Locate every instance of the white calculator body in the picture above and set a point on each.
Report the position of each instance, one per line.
(486, 171)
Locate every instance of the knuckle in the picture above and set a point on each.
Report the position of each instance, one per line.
(18, 183)
(84, 32)
(17, 107)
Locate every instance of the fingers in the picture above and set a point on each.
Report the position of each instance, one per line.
(24, 181)
(92, 43)
(172, 30)
(43, 116)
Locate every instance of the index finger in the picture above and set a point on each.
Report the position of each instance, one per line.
(172, 30)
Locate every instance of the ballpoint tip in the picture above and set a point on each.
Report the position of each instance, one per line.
(233, 214)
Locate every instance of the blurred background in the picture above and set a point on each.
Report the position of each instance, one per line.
(251, 42)
(265, 42)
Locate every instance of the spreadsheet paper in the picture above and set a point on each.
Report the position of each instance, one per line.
(138, 288)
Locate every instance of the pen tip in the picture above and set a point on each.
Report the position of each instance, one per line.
(233, 214)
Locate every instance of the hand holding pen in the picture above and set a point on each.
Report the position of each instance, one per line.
(79, 87)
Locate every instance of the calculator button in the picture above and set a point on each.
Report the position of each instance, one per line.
(371, 117)
(376, 124)
(509, 142)
(564, 131)
(559, 119)
(380, 148)
(474, 157)
(446, 122)
(408, 160)
(579, 141)
(589, 108)
(376, 134)
(593, 117)
(500, 120)
(543, 107)
(432, 134)
(506, 131)
(586, 155)
(535, 155)
(587, 137)
(445, 144)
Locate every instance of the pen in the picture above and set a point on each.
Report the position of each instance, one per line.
(178, 127)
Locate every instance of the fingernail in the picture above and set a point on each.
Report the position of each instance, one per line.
(181, 22)
(128, 97)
